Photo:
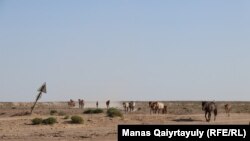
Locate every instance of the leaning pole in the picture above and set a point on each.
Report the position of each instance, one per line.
(41, 90)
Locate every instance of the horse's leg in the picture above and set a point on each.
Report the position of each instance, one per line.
(209, 116)
(206, 115)
(215, 115)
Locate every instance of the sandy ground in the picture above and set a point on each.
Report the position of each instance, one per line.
(99, 127)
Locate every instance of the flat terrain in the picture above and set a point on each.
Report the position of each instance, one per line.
(16, 126)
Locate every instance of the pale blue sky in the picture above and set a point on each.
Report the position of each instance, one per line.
(125, 49)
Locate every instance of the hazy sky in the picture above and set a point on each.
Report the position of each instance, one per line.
(125, 49)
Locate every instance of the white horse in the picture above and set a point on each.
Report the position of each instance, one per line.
(131, 106)
(125, 106)
(159, 106)
(228, 108)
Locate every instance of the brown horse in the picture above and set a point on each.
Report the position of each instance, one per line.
(71, 103)
(151, 106)
(228, 108)
(107, 104)
(97, 104)
(81, 103)
(157, 107)
(165, 109)
(131, 106)
(209, 107)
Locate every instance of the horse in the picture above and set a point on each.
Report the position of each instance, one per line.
(131, 106)
(71, 103)
(125, 106)
(228, 108)
(165, 109)
(151, 106)
(209, 107)
(97, 104)
(159, 106)
(107, 104)
(81, 103)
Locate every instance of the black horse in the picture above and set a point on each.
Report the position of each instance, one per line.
(209, 107)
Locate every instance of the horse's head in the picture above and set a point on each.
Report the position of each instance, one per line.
(149, 103)
(226, 105)
(154, 105)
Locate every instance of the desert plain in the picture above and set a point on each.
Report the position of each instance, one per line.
(16, 125)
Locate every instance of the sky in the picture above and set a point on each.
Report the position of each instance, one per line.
(125, 50)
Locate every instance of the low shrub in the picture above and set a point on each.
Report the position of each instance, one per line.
(61, 113)
(113, 112)
(76, 120)
(66, 117)
(37, 121)
(53, 112)
(93, 111)
(49, 121)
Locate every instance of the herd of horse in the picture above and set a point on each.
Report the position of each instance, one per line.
(157, 107)
(129, 106)
(81, 103)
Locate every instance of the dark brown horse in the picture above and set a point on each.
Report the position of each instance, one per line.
(209, 107)
(71, 103)
(165, 109)
(81, 103)
(97, 104)
(107, 104)
(151, 105)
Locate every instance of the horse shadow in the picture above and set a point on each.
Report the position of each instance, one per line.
(186, 120)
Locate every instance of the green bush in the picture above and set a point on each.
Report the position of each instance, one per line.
(97, 111)
(93, 111)
(61, 113)
(66, 117)
(37, 121)
(50, 121)
(52, 112)
(113, 112)
(76, 120)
